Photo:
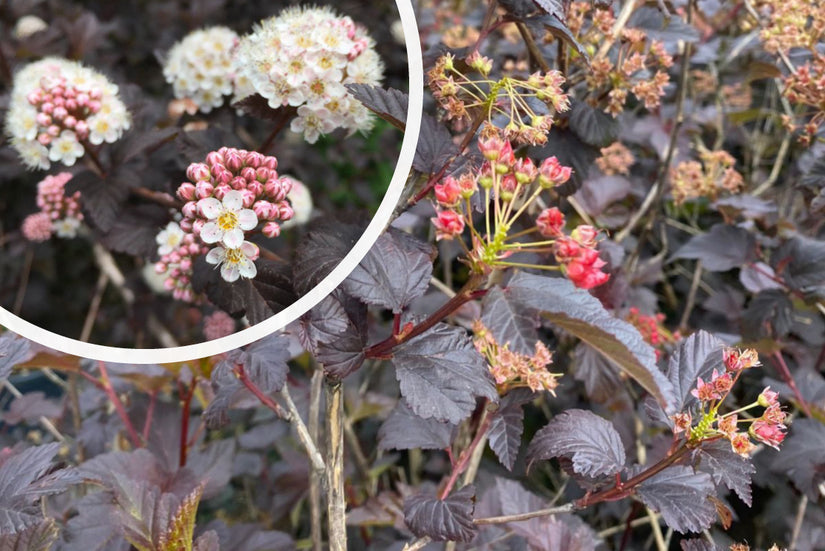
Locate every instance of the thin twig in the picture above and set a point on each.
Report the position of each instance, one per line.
(618, 27)
(566, 508)
(316, 529)
(785, 373)
(691, 298)
(43, 420)
(24, 280)
(797, 524)
(657, 531)
(420, 543)
(336, 497)
(303, 433)
(94, 307)
(119, 407)
(532, 47)
(621, 527)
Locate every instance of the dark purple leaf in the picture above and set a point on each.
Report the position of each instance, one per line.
(800, 261)
(697, 356)
(135, 230)
(562, 533)
(769, 314)
(442, 374)
(208, 541)
(727, 467)
(681, 496)
(557, 28)
(590, 441)
(390, 104)
(30, 407)
(37, 537)
(553, 7)
(450, 519)
(508, 425)
(668, 29)
(336, 332)
(748, 205)
(435, 146)
(518, 8)
(19, 471)
(508, 322)
(94, 528)
(14, 351)
(801, 458)
(592, 125)
(101, 199)
(136, 142)
(695, 544)
(570, 151)
(601, 379)
(579, 313)
(249, 537)
(84, 33)
(212, 466)
(596, 194)
(758, 277)
(404, 430)
(322, 250)
(258, 106)
(723, 248)
(396, 270)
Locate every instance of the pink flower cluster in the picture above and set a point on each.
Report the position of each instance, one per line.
(58, 214)
(60, 106)
(177, 266)
(577, 252)
(251, 174)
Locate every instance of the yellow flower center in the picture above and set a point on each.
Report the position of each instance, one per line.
(234, 256)
(227, 220)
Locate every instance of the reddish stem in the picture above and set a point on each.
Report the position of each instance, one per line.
(385, 347)
(396, 324)
(464, 458)
(240, 373)
(121, 410)
(150, 412)
(157, 197)
(785, 373)
(186, 395)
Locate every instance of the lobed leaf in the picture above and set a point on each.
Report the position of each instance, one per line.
(442, 374)
(396, 270)
(14, 351)
(37, 537)
(450, 519)
(801, 458)
(727, 467)
(507, 426)
(800, 261)
(590, 441)
(322, 250)
(553, 7)
(592, 125)
(508, 322)
(681, 496)
(723, 248)
(579, 313)
(435, 146)
(404, 430)
(102, 199)
(389, 104)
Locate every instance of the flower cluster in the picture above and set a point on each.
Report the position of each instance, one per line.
(217, 325)
(177, 250)
(513, 185)
(616, 159)
(652, 330)
(512, 369)
(768, 428)
(59, 107)
(303, 58)
(692, 179)
(199, 67)
(639, 66)
(792, 24)
(462, 96)
(807, 87)
(59, 213)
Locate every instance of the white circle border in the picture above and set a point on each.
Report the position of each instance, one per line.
(278, 321)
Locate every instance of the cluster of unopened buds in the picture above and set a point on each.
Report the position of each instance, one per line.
(303, 58)
(615, 159)
(511, 369)
(58, 107)
(464, 95)
(513, 185)
(768, 428)
(807, 87)
(716, 173)
(227, 197)
(652, 330)
(629, 70)
(59, 213)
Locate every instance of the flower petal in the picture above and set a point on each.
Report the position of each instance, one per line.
(210, 207)
(229, 272)
(250, 250)
(233, 200)
(233, 238)
(211, 233)
(247, 268)
(216, 255)
(247, 219)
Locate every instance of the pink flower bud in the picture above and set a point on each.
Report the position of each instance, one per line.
(186, 224)
(285, 211)
(262, 209)
(96, 93)
(552, 173)
(43, 119)
(197, 172)
(35, 97)
(234, 161)
(53, 131)
(271, 163)
(204, 190)
(94, 106)
(550, 222)
(168, 283)
(248, 197)
(83, 98)
(44, 139)
(586, 235)
(197, 226)
(221, 190)
(287, 184)
(271, 229)
(186, 191)
(160, 267)
(69, 122)
(190, 210)
(47, 107)
(254, 159)
(768, 397)
(59, 102)
(262, 174)
(274, 190)
(71, 105)
(174, 257)
(448, 224)
(525, 171)
(186, 264)
(81, 129)
(448, 193)
(213, 159)
(248, 173)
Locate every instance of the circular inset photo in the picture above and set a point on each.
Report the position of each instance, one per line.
(166, 166)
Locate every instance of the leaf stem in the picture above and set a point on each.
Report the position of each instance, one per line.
(464, 458)
(566, 508)
(785, 373)
(121, 410)
(186, 395)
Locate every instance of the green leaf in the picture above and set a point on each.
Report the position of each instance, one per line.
(181, 531)
(582, 315)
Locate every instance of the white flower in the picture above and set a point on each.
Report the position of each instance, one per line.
(169, 238)
(32, 153)
(235, 262)
(301, 200)
(302, 58)
(28, 25)
(66, 228)
(65, 148)
(199, 67)
(227, 220)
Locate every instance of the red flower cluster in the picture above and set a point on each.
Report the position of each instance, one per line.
(578, 254)
(652, 330)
